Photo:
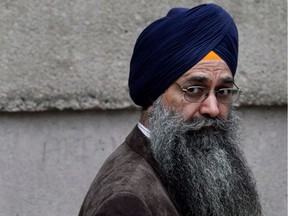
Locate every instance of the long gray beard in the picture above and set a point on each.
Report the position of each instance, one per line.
(202, 167)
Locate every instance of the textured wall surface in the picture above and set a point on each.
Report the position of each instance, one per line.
(48, 160)
(75, 54)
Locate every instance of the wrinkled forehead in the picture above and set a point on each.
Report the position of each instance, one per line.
(207, 71)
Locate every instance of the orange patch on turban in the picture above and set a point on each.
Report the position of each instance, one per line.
(212, 56)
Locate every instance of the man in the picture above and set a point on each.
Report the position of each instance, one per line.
(183, 157)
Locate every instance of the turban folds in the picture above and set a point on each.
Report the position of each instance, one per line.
(172, 45)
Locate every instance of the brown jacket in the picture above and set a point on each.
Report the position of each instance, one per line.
(128, 184)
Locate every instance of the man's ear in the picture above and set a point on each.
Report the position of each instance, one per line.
(144, 119)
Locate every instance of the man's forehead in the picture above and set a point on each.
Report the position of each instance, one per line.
(208, 70)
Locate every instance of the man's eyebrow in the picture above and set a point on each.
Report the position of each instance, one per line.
(197, 79)
(203, 79)
(228, 80)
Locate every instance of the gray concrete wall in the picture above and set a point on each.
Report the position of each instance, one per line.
(74, 55)
(48, 160)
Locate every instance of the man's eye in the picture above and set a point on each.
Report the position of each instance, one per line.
(224, 92)
(195, 90)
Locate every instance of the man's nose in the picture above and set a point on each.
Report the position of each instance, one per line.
(209, 107)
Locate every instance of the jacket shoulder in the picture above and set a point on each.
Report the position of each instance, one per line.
(127, 175)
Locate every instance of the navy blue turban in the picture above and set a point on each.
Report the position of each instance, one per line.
(172, 45)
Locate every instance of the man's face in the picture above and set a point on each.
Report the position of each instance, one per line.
(196, 147)
(211, 74)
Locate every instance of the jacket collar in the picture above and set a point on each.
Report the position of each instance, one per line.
(138, 142)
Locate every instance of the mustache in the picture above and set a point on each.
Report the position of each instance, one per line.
(196, 124)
